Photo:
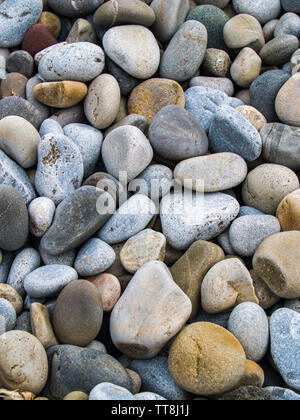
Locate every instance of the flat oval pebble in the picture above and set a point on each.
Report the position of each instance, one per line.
(262, 10)
(60, 94)
(81, 61)
(283, 394)
(110, 392)
(75, 8)
(49, 280)
(248, 232)
(134, 49)
(279, 50)
(7, 311)
(151, 289)
(219, 171)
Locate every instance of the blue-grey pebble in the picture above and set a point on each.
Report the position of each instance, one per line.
(156, 378)
(285, 345)
(16, 17)
(23, 322)
(15, 105)
(24, 263)
(49, 280)
(262, 10)
(158, 181)
(65, 258)
(7, 260)
(291, 5)
(75, 8)
(264, 90)
(60, 167)
(287, 68)
(288, 24)
(249, 323)
(247, 233)
(218, 319)
(30, 85)
(282, 394)
(20, 61)
(89, 141)
(249, 211)
(2, 325)
(9, 314)
(126, 82)
(131, 218)
(224, 243)
(231, 132)
(185, 52)
(110, 392)
(203, 103)
(94, 258)
(50, 126)
(235, 102)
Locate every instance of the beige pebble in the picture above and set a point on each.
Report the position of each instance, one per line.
(287, 102)
(41, 325)
(14, 84)
(109, 288)
(288, 212)
(136, 380)
(266, 297)
(255, 117)
(76, 396)
(9, 293)
(246, 67)
(82, 31)
(52, 23)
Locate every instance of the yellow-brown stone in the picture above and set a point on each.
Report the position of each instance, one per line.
(288, 212)
(254, 117)
(14, 84)
(60, 94)
(9, 293)
(254, 375)
(41, 325)
(52, 23)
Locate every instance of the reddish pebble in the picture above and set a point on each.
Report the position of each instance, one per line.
(109, 288)
(37, 39)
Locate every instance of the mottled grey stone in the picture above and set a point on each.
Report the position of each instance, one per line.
(291, 5)
(289, 24)
(7, 259)
(75, 8)
(293, 304)
(279, 50)
(262, 10)
(224, 242)
(7, 311)
(283, 394)
(20, 62)
(50, 126)
(66, 258)
(218, 319)
(110, 392)
(133, 119)
(218, 83)
(23, 322)
(126, 82)
(43, 109)
(248, 211)
(15, 105)
(159, 180)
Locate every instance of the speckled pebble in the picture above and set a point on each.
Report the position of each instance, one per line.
(94, 258)
(9, 314)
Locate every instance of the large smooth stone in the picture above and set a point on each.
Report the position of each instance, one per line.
(81, 61)
(226, 285)
(139, 333)
(279, 50)
(287, 106)
(78, 314)
(49, 280)
(219, 171)
(16, 17)
(75, 221)
(231, 132)
(60, 167)
(185, 52)
(262, 10)
(126, 149)
(174, 134)
(134, 49)
(285, 345)
(80, 369)
(75, 8)
(14, 227)
(205, 359)
(189, 218)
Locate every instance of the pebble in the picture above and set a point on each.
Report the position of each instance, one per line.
(75, 368)
(283, 394)
(284, 329)
(267, 185)
(43, 109)
(183, 224)
(110, 392)
(102, 103)
(94, 258)
(218, 83)
(219, 171)
(24, 263)
(71, 115)
(14, 84)
(269, 29)
(41, 212)
(126, 149)
(262, 10)
(143, 248)
(286, 102)
(151, 289)
(48, 281)
(276, 262)
(136, 380)
(76, 396)
(246, 68)
(176, 135)
(226, 285)
(159, 181)
(23, 322)
(66, 258)
(126, 82)
(50, 126)
(7, 311)
(89, 141)
(78, 314)
(23, 362)
(134, 49)
(288, 212)
(248, 232)
(148, 98)
(279, 50)
(20, 61)
(41, 325)
(254, 375)
(60, 167)
(82, 31)
(216, 62)
(75, 9)
(231, 132)
(205, 359)
(80, 61)
(2, 325)
(249, 324)
(11, 295)
(109, 288)
(291, 6)
(15, 105)
(254, 117)
(288, 24)
(293, 304)
(52, 23)
(185, 52)
(247, 393)
(60, 94)
(37, 39)
(16, 17)
(295, 62)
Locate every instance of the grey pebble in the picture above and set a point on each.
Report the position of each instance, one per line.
(288, 24)
(43, 109)
(7, 259)
(20, 62)
(133, 119)
(65, 258)
(2, 325)
(72, 115)
(249, 211)
(110, 392)
(293, 304)
(218, 83)
(23, 322)
(15, 105)
(7, 311)
(28, 301)
(224, 242)
(291, 5)
(235, 102)
(50, 126)
(282, 394)
(159, 180)
(96, 345)
(279, 50)
(262, 10)
(75, 8)
(218, 319)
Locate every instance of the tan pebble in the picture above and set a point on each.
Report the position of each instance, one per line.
(253, 116)
(9, 293)
(41, 399)
(82, 31)
(287, 102)
(52, 23)
(14, 84)
(288, 212)
(266, 297)
(60, 94)
(41, 325)
(76, 396)
(253, 376)
(136, 380)
(109, 288)
(7, 395)
(216, 63)
(246, 67)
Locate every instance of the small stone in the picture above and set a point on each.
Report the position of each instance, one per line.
(262, 10)
(231, 132)
(75, 9)
(142, 248)
(286, 102)
(23, 362)
(242, 31)
(15, 105)
(48, 281)
(216, 62)
(244, 96)
(102, 103)
(96, 345)
(60, 94)
(267, 185)
(279, 50)
(218, 83)
(41, 325)
(246, 67)
(110, 392)
(249, 324)
(266, 297)
(148, 98)
(253, 116)
(174, 134)
(81, 61)
(78, 314)
(205, 359)
(76, 396)
(43, 109)
(11, 295)
(152, 286)
(82, 31)
(288, 212)
(284, 329)
(7, 311)
(109, 288)
(224, 242)
(20, 62)
(295, 62)
(282, 394)
(73, 115)
(254, 375)
(226, 285)
(219, 171)
(269, 29)
(248, 232)
(41, 212)
(52, 23)
(136, 380)
(134, 49)
(37, 39)
(185, 52)
(276, 262)
(159, 181)
(247, 393)
(23, 323)
(14, 84)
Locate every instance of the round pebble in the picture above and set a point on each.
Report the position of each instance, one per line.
(109, 288)
(286, 103)
(41, 212)
(246, 68)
